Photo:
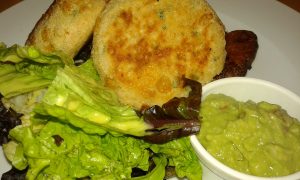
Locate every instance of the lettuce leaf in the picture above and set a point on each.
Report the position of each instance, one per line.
(16, 54)
(15, 154)
(15, 83)
(77, 99)
(77, 154)
(181, 155)
(24, 69)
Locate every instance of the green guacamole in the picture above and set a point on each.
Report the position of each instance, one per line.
(255, 138)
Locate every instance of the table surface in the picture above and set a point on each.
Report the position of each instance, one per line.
(295, 4)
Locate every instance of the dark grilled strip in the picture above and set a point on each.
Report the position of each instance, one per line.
(241, 47)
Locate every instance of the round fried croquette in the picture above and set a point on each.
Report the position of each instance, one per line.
(143, 48)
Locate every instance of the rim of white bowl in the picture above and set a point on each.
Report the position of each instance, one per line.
(232, 80)
(206, 157)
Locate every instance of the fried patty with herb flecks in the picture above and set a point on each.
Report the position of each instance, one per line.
(143, 48)
(65, 26)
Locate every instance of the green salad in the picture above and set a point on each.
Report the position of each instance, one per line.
(73, 127)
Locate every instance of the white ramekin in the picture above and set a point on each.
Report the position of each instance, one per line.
(243, 89)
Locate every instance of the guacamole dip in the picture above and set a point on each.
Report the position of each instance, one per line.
(255, 138)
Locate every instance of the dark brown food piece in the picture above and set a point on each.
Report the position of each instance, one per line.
(84, 53)
(58, 139)
(241, 47)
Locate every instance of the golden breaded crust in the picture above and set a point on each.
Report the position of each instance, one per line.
(66, 26)
(143, 48)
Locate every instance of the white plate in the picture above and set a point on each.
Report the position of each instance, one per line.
(276, 25)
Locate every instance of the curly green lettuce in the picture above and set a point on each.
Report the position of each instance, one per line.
(60, 151)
